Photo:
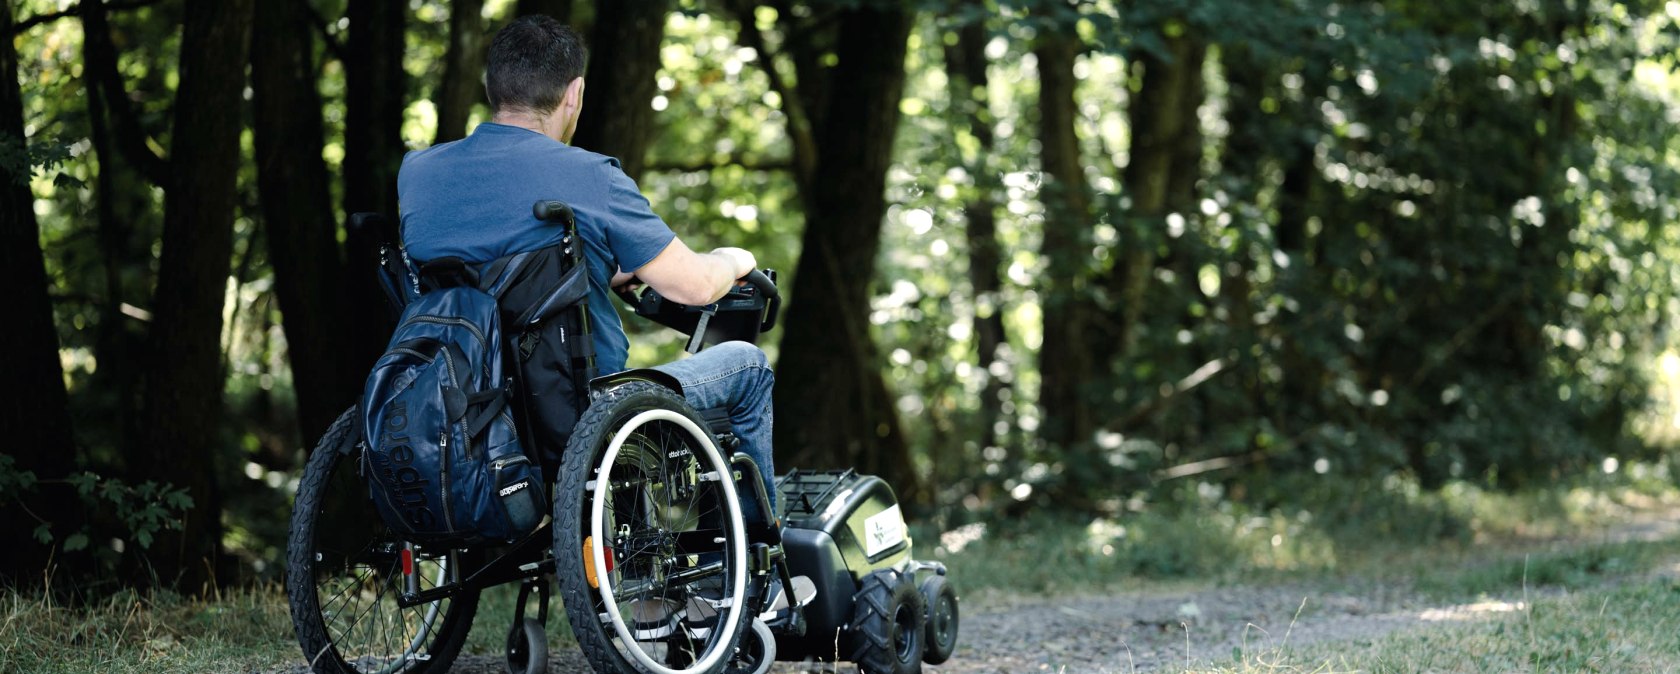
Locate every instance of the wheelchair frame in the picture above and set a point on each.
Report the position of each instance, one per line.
(531, 560)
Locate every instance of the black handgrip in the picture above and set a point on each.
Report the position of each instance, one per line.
(624, 293)
(549, 210)
(757, 279)
(766, 285)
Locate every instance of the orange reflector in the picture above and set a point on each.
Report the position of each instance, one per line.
(408, 562)
(589, 561)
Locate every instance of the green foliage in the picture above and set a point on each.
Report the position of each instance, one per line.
(23, 163)
(128, 513)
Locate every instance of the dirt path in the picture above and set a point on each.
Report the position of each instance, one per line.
(1155, 630)
(1125, 632)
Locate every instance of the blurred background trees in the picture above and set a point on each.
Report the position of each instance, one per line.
(1042, 254)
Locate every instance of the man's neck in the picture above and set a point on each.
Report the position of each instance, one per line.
(523, 119)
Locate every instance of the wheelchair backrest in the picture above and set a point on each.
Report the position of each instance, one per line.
(543, 298)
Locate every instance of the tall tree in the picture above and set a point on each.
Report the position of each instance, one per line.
(1068, 371)
(559, 9)
(375, 95)
(100, 57)
(302, 233)
(122, 199)
(463, 69)
(624, 61)
(965, 63)
(34, 416)
(183, 405)
(375, 90)
(846, 414)
(1160, 175)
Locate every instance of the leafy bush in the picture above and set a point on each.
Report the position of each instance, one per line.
(126, 514)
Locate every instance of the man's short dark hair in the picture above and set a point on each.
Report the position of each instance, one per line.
(530, 63)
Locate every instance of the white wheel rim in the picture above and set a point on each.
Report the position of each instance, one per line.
(732, 510)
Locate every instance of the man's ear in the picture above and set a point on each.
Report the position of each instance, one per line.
(574, 93)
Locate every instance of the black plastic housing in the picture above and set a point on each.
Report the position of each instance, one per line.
(834, 520)
(740, 315)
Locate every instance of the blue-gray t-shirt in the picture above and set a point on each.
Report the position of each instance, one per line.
(472, 199)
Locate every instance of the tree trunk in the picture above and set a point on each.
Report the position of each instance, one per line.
(463, 70)
(559, 9)
(1067, 369)
(184, 381)
(1242, 160)
(33, 416)
(374, 98)
(120, 199)
(1163, 123)
(836, 409)
(375, 94)
(302, 232)
(100, 57)
(624, 63)
(966, 64)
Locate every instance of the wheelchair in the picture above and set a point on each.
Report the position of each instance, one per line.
(660, 573)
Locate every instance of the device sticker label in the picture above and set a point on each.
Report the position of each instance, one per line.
(883, 531)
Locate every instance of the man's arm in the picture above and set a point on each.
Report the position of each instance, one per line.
(696, 279)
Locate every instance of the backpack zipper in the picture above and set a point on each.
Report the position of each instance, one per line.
(411, 352)
(449, 364)
(443, 481)
(446, 320)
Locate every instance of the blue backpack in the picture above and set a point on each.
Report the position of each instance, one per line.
(444, 460)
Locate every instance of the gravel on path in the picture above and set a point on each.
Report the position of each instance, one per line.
(1139, 632)
(1121, 632)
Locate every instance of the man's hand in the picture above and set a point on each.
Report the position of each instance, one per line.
(743, 260)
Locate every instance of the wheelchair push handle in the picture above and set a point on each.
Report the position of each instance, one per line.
(555, 211)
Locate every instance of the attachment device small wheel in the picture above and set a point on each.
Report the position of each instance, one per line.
(941, 604)
(887, 617)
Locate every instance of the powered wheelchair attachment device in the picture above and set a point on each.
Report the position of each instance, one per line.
(656, 568)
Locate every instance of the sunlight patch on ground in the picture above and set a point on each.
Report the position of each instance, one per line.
(956, 539)
(1476, 611)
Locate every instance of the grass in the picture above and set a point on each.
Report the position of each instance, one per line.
(1632, 628)
(1334, 532)
(161, 632)
(154, 632)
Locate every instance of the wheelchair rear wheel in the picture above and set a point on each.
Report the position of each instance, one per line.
(649, 542)
(344, 572)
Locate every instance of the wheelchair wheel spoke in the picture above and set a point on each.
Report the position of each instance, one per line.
(344, 577)
(672, 601)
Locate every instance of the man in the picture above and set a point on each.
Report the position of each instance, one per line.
(472, 199)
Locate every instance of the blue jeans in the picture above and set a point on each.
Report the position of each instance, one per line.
(735, 376)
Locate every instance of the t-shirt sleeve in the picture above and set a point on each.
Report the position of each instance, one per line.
(634, 233)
